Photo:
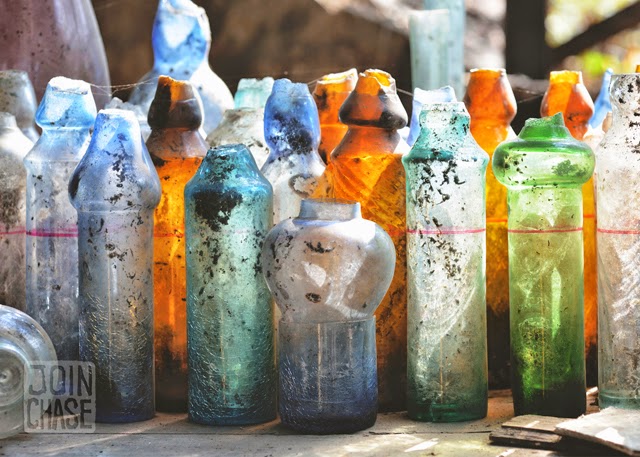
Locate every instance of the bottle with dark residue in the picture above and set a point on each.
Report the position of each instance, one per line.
(232, 374)
(66, 115)
(328, 270)
(14, 145)
(176, 149)
(544, 170)
(292, 132)
(446, 306)
(367, 167)
(422, 97)
(18, 97)
(115, 189)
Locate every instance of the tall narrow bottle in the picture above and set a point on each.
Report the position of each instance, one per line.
(292, 132)
(18, 98)
(367, 167)
(181, 40)
(176, 149)
(617, 171)
(492, 106)
(13, 147)
(568, 95)
(330, 93)
(232, 373)
(115, 190)
(429, 39)
(244, 124)
(446, 306)
(544, 170)
(66, 115)
(602, 105)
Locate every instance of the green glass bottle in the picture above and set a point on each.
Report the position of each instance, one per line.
(544, 170)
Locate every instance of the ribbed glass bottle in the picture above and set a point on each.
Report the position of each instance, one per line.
(446, 305)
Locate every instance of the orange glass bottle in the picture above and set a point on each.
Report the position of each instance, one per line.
(177, 149)
(366, 167)
(492, 106)
(330, 93)
(568, 95)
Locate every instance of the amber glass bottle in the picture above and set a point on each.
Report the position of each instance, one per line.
(330, 93)
(568, 95)
(177, 149)
(366, 167)
(492, 106)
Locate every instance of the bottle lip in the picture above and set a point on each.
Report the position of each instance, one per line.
(487, 72)
(330, 209)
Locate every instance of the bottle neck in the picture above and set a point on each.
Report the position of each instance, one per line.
(329, 210)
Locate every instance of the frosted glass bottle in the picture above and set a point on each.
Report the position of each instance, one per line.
(13, 183)
(544, 170)
(18, 98)
(292, 132)
(422, 97)
(245, 123)
(328, 270)
(232, 373)
(66, 115)
(429, 33)
(617, 181)
(115, 190)
(181, 43)
(176, 149)
(446, 246)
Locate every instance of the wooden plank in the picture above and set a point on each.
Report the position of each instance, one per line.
(612, 427)
(526, 438)
(535, 423)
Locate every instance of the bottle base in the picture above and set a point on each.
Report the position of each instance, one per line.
(557, 403)
(606, 400)
(328, 424)
(241, 418)
(115, 418)
(447, 412)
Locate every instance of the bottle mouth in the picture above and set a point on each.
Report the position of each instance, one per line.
(329, 209)
(565, 77)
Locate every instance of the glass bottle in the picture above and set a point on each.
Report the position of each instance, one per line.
(14, 145)
(492, 106)
(422, 97)
(181, 43)
(328, 269)
(292, 132)
(232, 373)
(446, 306)
(245, 123)
(544, 170)
(66, 115)
(18, 98)
(618, 208)
(176, 149)
(115, 190)
(22, 342)
(329, 94)
(141, 115)
(602, 104)
(367, 167)
(429, 33)
(568, 95)
(52, 39)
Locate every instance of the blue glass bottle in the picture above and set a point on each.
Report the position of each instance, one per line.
(181, 42)
(230, 332)
(18, 97)
(115, 189)
(446, 246)
(422, 97)
(602, 105)
(66, 115)
(292, 132)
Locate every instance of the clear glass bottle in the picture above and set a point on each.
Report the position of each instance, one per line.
(544, 170)
(492, 106)
(66, 115)
(176, 149)
(292, 132)
(14, 146)
(330, 93)
(181, 43)
(618, 206)
(232, 372)
(328, 270)
(367, 167)
(18, 98)
(422, 97)
(429, 40)
(115, 190)
(446, 239)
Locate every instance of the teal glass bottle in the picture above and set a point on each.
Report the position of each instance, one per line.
(115, 189)
(230, 329)
(544, 170)
(66, 115)
(446, 249)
